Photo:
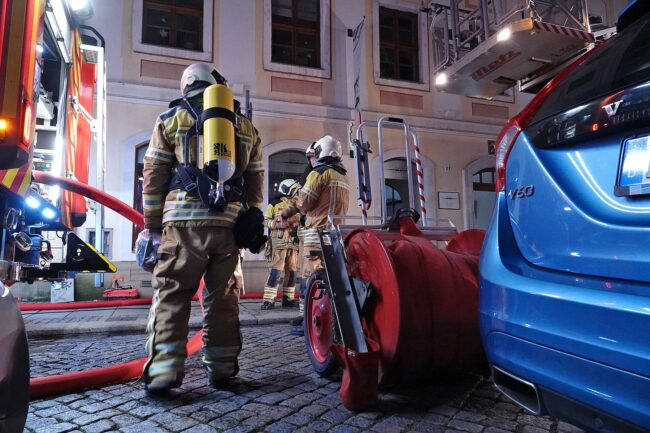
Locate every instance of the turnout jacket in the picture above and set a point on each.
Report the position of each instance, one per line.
(281, 238)
(325, 193)
(176, 207)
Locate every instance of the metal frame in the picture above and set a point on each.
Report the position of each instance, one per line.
(344, 295)
(98, 127)
(362, 166)
(490, 22)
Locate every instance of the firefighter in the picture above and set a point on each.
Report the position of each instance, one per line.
(311, 160)
(199, 238)
(324, 195)
(284, 247)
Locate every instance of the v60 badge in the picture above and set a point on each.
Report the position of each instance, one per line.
(522, 192)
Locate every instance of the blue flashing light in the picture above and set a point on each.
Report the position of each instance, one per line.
(48, 213)
(32, 202)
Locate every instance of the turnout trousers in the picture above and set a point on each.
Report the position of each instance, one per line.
(186, 255)
(283, 262)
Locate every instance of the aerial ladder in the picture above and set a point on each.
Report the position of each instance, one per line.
(499, 44)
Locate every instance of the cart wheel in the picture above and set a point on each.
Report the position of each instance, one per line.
(320, 325)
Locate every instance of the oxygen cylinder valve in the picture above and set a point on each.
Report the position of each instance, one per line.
(217, 196)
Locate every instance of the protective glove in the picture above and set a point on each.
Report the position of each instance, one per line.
(146, 249)
(249, 230)
(281, 223)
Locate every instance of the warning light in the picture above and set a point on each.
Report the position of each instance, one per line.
(594, 127)
(27, 124)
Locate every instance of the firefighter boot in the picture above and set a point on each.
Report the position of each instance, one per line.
(271, 290)
(219, 365)
(162, 384)
(288, 302)
(289, 292)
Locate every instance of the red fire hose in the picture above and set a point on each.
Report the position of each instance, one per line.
(92, 193)
(70, 382)
(109, 304)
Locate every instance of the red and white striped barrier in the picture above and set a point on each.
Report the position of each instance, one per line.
(420, 173)
(566, 31)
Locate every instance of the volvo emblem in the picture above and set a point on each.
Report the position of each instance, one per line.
(612, 109)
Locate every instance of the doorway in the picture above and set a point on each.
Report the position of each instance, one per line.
(396, 186)
(483, 192)
(479, 192)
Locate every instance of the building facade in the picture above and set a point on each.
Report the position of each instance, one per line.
(296, 59)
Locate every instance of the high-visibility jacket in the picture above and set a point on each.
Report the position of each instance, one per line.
(281, 238)
(165, 150)
(325, 194)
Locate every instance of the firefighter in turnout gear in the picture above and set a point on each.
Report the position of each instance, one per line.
(199, 237)
(324, 195)
(284, 246)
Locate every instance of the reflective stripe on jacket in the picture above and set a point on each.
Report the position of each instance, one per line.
(165, 150)
(281, 238)
(323, 195)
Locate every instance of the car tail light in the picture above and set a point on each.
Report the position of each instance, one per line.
(508, 136)
(511, 131)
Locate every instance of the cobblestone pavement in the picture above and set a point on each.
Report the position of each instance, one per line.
(276, 392)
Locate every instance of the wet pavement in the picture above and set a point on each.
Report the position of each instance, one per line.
(276, 392)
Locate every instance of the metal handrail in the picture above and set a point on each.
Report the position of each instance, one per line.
(409, 133)
(445, 42)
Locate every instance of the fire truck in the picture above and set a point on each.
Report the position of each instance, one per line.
(51, 67)
(52, 87)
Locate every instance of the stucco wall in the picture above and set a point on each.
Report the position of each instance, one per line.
(286, 109)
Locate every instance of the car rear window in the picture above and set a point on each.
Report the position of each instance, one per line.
(622, 62)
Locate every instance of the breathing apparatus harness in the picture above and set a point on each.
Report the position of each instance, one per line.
(192, 179)
(249, 226)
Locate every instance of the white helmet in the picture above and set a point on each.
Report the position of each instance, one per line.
(289, 187)
(310, 150)
(327, 146)
(197, 77)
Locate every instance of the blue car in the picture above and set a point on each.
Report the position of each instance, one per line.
(565, 267)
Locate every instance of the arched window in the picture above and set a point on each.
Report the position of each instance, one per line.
(287, 164)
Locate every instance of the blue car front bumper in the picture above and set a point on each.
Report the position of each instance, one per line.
(583, 342)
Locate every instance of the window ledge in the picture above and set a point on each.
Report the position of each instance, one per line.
(297, 70)
(414, 85)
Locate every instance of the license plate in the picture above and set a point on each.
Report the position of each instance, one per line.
(634, 169)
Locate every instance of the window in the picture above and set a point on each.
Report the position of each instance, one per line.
(398, 45)
(138, 180)
(295, 37)
(107, 244)
(620, 63)
(173, 23)
(175, 28)
(289, 164)
(484, 180)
